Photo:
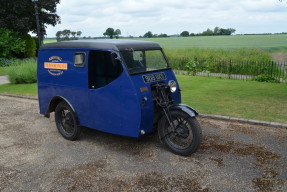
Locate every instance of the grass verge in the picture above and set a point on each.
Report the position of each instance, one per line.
(235, 98)
(19, 89)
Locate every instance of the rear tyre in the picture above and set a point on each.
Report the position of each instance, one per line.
(186, 137)
(66, 122)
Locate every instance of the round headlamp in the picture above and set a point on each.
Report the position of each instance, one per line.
(172, 86)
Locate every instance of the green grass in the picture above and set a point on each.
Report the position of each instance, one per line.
(235, 98)
(19, 89)
(50, 41)
(22, 71)
(4, 70)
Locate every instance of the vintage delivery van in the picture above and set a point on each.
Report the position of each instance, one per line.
(123, 87)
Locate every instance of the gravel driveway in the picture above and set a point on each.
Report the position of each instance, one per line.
(232, 157)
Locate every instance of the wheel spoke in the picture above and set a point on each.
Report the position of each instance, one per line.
(66, 121)
(181, 137)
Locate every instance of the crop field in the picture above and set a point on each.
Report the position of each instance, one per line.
(268, 42)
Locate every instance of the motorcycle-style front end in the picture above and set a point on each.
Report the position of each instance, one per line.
(178, 128)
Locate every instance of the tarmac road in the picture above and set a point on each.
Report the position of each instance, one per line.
(232, 157)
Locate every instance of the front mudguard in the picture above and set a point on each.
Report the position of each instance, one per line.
(185, 108)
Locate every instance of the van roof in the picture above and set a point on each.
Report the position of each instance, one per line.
(106, 44)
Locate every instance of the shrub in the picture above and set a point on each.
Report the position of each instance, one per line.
(23, 71)
(10, 44)
(191, 67)
(6, 62)
(37, 45)
(30, 46)
(265, 78)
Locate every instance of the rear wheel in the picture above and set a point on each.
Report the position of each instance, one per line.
(66, 121)
(184, 137)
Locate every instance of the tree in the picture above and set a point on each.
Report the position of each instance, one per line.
(208, 32)
(66, 35)
(148, 35)
(117, 33)
(231, 30)
(19, 15)
(109, 32)
(30, 47)
(59, 36)
(73, 33)
(184, 34)
(10, 43)
(79, 33)
(162, 35)
(216, 31)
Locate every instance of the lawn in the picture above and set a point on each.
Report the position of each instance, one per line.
(19, 89)
(235, 98)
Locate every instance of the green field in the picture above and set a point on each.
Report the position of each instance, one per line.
(225, 42)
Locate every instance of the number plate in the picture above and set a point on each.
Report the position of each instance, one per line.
(154, 77)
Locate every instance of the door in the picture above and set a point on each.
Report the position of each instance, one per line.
(105, 92)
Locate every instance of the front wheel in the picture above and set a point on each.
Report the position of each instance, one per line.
(184, 136)
(66, 121)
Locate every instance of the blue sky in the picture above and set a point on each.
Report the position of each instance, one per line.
(135, 18)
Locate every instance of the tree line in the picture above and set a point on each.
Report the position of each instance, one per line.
(67, 34)
(217, 31)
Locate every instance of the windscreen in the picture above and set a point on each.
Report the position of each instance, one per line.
(144, 61)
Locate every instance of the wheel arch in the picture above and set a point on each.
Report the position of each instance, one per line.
(54, 102)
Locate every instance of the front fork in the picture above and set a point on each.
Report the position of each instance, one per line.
(170, 121)
(164, 101)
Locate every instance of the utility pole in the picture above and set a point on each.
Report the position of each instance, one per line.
(37, 22)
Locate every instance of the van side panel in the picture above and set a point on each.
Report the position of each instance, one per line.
(114, 108)
(57, 76)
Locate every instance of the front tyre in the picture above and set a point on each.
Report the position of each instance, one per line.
(66, 121)
(184, 137)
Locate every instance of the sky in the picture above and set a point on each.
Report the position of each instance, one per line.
(135, 18)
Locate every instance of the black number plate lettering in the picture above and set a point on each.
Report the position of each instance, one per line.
(154, 77)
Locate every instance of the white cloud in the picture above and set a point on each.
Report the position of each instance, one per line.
(169, 16)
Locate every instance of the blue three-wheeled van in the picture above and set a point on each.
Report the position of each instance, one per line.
(123, 87)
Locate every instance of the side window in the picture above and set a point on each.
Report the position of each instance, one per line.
(103, 69)
(79, 59)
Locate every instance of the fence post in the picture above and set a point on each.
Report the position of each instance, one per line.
(272, 65)
(229, 71)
